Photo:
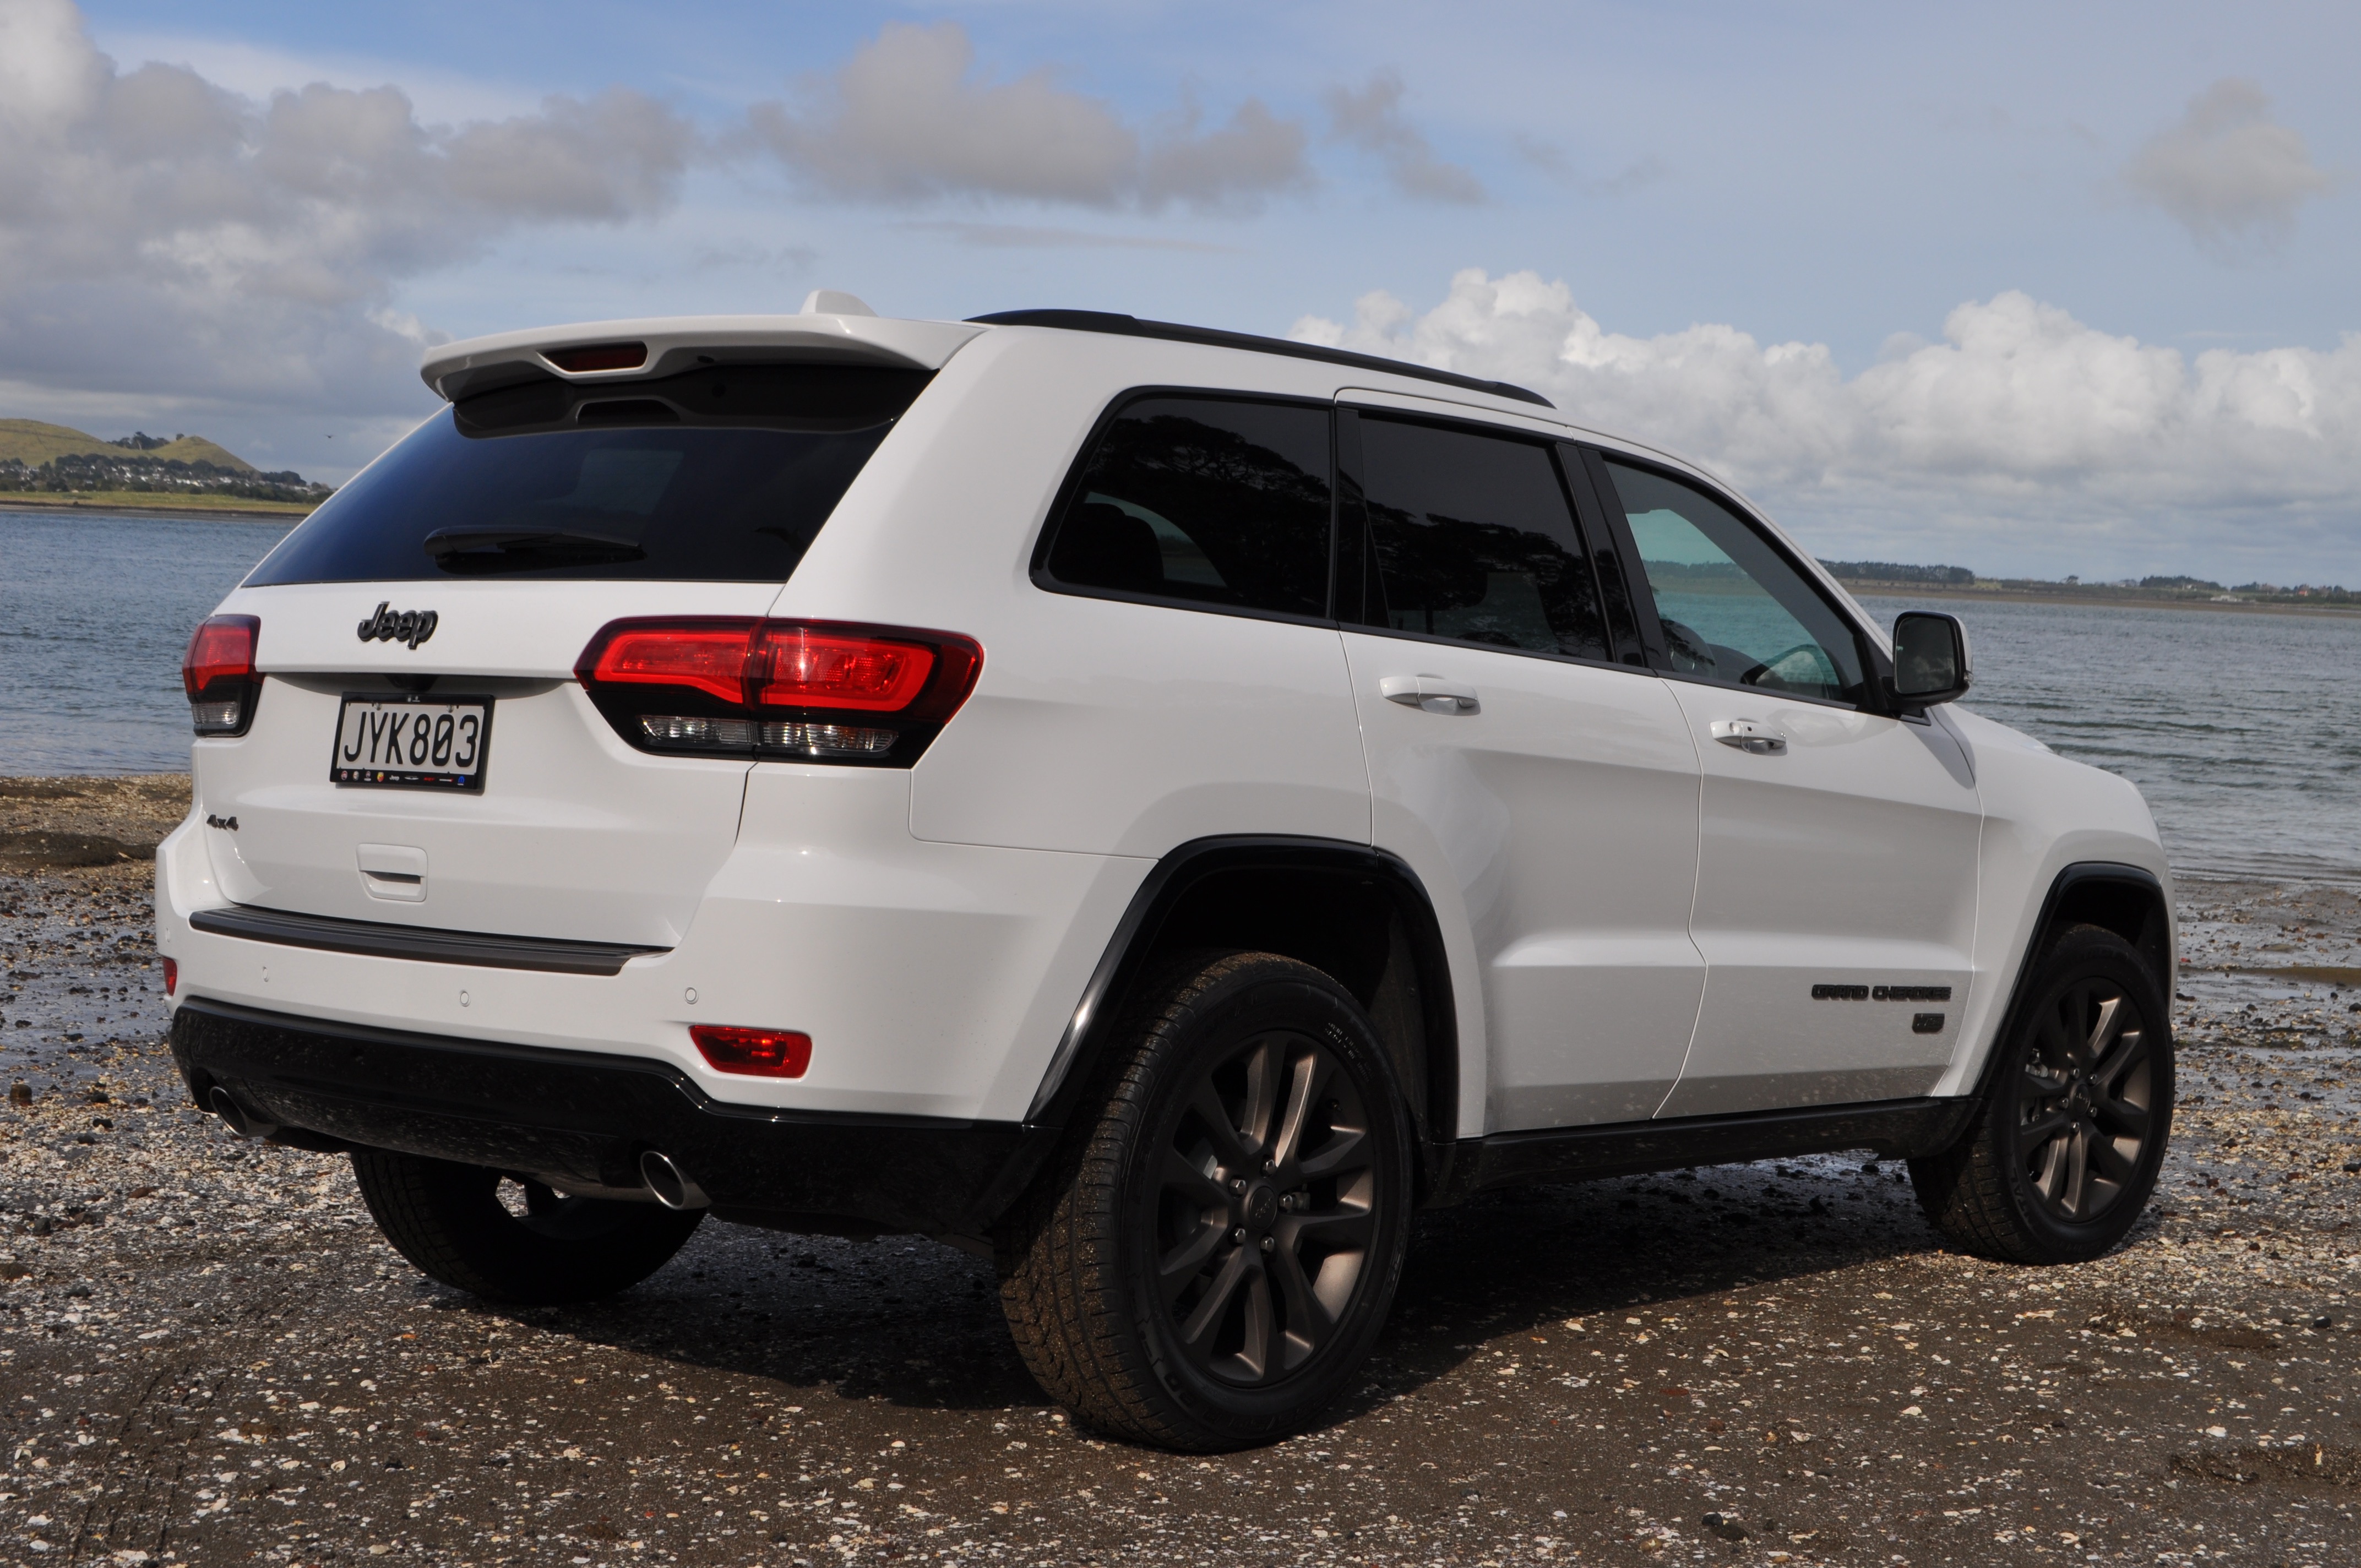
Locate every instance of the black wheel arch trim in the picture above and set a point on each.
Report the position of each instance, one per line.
(2154, 942)
(1435, 1103)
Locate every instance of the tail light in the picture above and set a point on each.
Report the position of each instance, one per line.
(790, 690)
(218, 673)
(757, 1053)
(171, 976)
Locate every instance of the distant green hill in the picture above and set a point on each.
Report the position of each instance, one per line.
(31, 443)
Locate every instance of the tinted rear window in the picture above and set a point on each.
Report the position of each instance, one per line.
(1473, 539)
(1213, 500)
(725, 474)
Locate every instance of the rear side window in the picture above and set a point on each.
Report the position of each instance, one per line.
(724, 474)
(1216, 501)
(1471, 537)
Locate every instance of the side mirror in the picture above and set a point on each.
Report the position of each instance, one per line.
(1930, 659)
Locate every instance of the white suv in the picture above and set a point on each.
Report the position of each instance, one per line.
(1156, 804)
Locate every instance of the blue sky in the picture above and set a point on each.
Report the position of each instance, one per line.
(1933, 284)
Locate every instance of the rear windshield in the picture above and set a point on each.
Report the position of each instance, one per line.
(723, 473)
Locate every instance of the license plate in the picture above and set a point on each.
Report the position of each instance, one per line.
(412, 742)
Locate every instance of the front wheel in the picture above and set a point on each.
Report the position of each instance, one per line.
(2064, 1151)
(511, 1238)
(1210, 1259)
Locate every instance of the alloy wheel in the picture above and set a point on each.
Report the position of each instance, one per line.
(2086, 1102)
(1265, 1191)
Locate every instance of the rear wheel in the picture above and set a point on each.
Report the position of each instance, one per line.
(2064, 1150)
(511, 1238)
(1210, 1261)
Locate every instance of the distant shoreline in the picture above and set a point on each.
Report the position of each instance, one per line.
(250, 511)
(2091, 599)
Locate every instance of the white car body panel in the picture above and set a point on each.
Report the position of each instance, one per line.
(1097, 725)
(2043, 813)
(1561, 814)
(933, 928)
(575, 834)
(827, 917)
(1849, 858)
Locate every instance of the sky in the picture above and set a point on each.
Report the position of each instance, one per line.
(2034, 289)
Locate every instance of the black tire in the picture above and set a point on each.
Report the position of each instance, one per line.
(452, 1223)
(2064, 1150)
(1209, 1259)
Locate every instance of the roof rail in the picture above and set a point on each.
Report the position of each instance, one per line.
(1174, 332)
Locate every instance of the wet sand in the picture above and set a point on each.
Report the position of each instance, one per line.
(207, 1356)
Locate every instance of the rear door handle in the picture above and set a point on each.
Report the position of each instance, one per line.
(1433, 693)
(1750, 735)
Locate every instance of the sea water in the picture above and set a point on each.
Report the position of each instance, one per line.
(95, 612)
(2242, 731)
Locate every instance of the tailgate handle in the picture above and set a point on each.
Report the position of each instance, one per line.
(396, 871)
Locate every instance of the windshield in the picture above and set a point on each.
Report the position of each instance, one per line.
(724, 474)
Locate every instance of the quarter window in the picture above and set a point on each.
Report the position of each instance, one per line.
(1211, 501)
(1472, 538)
(1733, 610)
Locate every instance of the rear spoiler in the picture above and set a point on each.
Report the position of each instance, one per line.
(665, 346)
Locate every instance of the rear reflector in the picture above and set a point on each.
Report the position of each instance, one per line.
(217, 672)
(756, 1053)
(171, 976)
(598, 356)
(812, 691)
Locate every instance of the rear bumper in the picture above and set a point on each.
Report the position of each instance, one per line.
(584, 1118)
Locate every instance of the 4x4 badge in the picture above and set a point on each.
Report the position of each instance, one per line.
(410, 626)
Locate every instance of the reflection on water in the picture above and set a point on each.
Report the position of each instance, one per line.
(2242, 731)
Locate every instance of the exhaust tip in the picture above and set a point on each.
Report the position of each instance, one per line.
(237, 1117)
(674, 1187)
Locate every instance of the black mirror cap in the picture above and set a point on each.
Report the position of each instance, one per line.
(1930, 659)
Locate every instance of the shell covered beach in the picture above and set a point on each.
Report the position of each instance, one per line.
(207, 1354)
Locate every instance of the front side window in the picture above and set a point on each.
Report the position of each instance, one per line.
(1472, 538)
(1217, 501)
(1733, 610)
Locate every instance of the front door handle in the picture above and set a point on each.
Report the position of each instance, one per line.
(1432, 693)
(1748, 736)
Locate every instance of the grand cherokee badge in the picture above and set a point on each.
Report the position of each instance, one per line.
(411, 626)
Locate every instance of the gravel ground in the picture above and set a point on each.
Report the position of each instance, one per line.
(207, 1356)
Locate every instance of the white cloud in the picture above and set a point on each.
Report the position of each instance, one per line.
(1032, 236)
(905, 120)
(2021, 423)
(2226, 172)
(163, 235)
(1372, 120)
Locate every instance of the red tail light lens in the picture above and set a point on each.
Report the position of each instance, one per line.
(702, 655)
(808, 691)
(806, 668)
(756, 1053)
(217, 672)
(171, 976)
